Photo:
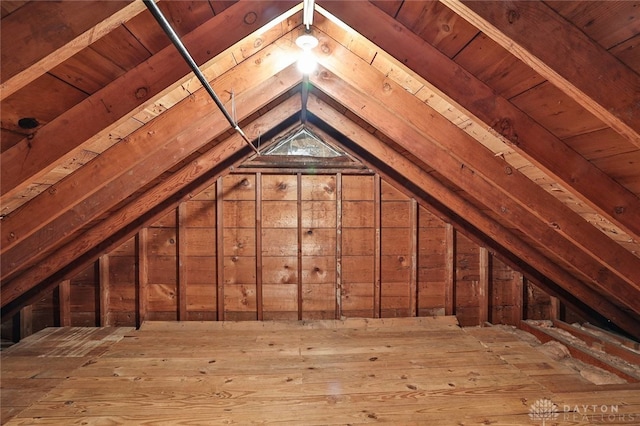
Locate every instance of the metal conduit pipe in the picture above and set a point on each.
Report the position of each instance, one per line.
(173, 36)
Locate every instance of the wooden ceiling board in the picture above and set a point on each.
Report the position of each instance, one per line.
(219, 6)
(600, 144)
(496, 67)
(624, 168)
(143, 155)
(437, 24)
(563, 55)
(73, 31)
(471, 181)
(56, 24)
(9, 6)
(566, 195)
(88, 71)
(186, 15)
(147, 31)
(44, 99)
(629, 53)
(8, 139)
(519, 130)
(608, 23)
(557, 112)
(145, 81)
(389, 7)
(122, 48)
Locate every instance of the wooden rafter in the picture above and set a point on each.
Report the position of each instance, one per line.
(469, 181)
(494, 230)
(593, 265)
(520, 200)
(129, 165)
(83, 244)
(32, 157)
(525, 135)
(564, 55)
(29, 54)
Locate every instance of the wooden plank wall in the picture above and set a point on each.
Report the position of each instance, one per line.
(265, 246)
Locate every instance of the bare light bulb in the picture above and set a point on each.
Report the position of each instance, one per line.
(307, 62)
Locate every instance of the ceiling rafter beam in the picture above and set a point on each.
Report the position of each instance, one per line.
(389, 106)
(461, 207)
(152, 199)
(476, 99)
(564, 55)
(26, 54)
(132, 163)
(31, 158)
(557, 222)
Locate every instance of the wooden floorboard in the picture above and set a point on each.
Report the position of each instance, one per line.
(387, 371)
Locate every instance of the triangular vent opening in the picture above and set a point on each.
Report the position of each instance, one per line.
(303, 142)
(302, 149)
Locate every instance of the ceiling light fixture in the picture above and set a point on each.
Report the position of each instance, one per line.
(307, 61)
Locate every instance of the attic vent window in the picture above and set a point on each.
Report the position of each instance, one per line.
(303, 143)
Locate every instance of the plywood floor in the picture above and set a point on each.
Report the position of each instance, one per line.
(424, 371)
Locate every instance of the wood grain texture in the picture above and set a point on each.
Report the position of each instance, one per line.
(473, 162)
(479, 99)
(512, 25)
(36, 158)
(412, 371)
(494, 230)
(25, 59)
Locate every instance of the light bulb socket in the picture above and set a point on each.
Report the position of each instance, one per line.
(306, 42)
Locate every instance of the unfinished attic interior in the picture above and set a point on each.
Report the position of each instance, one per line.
(436, 223)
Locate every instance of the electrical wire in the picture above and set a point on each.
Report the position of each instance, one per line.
(173, 36)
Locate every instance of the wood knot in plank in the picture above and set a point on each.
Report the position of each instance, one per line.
(250, 18)
(324, 75)
(505, 128)
(141, 92)
(512, 15)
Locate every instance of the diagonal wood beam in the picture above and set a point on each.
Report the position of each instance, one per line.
(564, 55)
(555, 221)
(129, 165)
(65, 28)
(33, 158)
(464, 175)
(508, 193)
(476, 99)
(149, 200)
(505, 238)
